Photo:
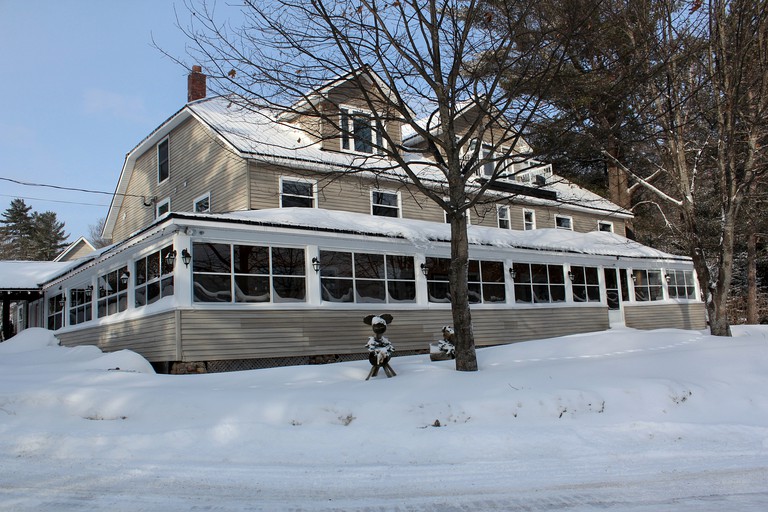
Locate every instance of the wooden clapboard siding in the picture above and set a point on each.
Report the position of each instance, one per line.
(154, 337)
(217, 334)
(655, 316)
(199, 163)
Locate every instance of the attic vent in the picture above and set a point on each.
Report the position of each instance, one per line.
(541, 180)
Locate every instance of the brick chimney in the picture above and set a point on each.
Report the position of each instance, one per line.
(196, 89)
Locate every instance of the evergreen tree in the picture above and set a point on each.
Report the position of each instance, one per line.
(16, 232)
(49, 236)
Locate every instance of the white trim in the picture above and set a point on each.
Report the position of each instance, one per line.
(165, 140)
(508, 217)
(564, 217)
(533, 219)
(377, 142)
(159, 204)
(605, 223)
(311, 182)
(384, 191)
(200, 198)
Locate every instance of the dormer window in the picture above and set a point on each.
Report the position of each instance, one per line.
(359, 132)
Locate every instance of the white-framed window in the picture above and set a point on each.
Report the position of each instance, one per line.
(502, 216)
(529, 220)
(297, 193)
(202, 204)
(648, 285)
(604, 225)
(80, 309)
(113, 292)
(163, 161)
(367, 277)
(485, 280)
(359, 132)
(385, 203)
(163, 207)
(153, 277)
(564, 222)
(681, 285)
(538, 283)
(488, 168)
(56, 312)
(248, 273)
(586, 284)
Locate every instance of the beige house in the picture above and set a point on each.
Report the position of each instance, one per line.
(247, 238)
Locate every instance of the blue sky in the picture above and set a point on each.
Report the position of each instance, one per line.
(80, 86)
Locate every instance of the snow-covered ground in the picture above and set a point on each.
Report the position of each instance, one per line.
(619, 420)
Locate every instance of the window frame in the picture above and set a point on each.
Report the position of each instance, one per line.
(119, 294)
(674, 285)
(163, 164)
(532, 223)
(347, 136)
(507, 218)
(57, 304)
(531, 285)
(606, 223)
(302, 181)
(199, 199)
(355, 279)
(568, 218)
(160, 204)
(143, 282)
(480, 286)
(654, 291)
(80, 305)
(586, 278)
(398, 208)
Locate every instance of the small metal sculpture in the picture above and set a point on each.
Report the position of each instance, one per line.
(379, 347)
(443, 349)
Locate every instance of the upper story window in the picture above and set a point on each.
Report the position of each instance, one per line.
(113, 292)
(163, 162)
(647, 285)
(502, 215)
(563, 222)
(529, 220)
(80, 305)
(248, 273)
(603, 225)
(202, 204)
(385, 204)
(297, 193)
(365, 277)
(163, 207)
(487, 169)
(153, 277)
(359, 132)
(681, 285)
(537, 283)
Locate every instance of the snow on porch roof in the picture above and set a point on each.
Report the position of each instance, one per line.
(421, 233)
(29, 275)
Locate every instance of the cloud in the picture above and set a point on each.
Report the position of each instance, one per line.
(130, 108)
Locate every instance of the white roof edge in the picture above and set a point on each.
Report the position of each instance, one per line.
(71, 247)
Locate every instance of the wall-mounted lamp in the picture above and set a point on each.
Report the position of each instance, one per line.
(570, 275)
(424, 269)
(61, 302)
(186, 257)
(170, 258)
(316, 264)
(634, 279)
(668, 278)
(512, 273)
(88, 292)
(124, 278)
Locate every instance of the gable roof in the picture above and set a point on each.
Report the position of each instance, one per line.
(79, 247)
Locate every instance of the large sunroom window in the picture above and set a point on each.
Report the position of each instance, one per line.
(586, 284)
(647, 285)
(153, 277)
(485, 280)
(248, 273)
(113, 292)
(56, 312)
(539, 283)
(80, 309)
(367, 277)
(681, 284)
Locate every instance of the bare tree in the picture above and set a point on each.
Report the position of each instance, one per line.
(434, 67)
(94, 233)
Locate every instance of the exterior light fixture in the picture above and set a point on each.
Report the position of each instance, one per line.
(424, 269)
(570, 275)
(124, 278)
(170, 258)
(634, 279)
(316, 264)
(186, 257)
(512, 273)
(88, 292)
(61, 302)
(668, 278)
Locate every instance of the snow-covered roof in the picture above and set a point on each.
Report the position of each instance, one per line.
(422, 232)
(29, 275)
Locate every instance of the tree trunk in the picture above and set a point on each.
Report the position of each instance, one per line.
(752, 279)
(464, 341)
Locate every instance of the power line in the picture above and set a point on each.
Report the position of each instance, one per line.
(74, 189)
(54, 200)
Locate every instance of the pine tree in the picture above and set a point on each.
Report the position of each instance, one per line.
(49, 236)
(16, 234)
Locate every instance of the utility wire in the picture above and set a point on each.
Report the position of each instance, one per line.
(58, 187)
